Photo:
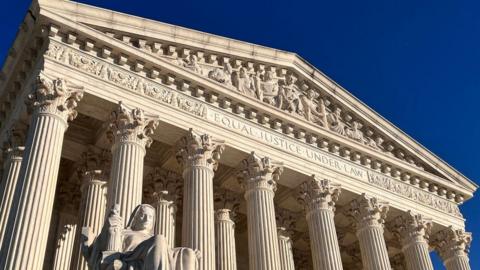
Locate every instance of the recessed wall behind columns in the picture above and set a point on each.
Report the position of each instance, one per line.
(176, 121)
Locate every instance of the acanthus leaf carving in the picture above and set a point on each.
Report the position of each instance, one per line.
(410, 226)
(319, 194)
(196, 149)
(452, 242)
(368, 211)
(259, 172)
(55, 96)
(133, 125)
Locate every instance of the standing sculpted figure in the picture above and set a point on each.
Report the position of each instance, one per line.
(312, 111)
(243, 82)
(134, 247)
(289, 95)
(267, 89)
(335, 121)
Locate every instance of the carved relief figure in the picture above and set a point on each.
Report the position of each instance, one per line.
(192, 64)
(312, 111)
(335, 121)
(355, 133)
(222, 75)
(134, 247)
(267, 88)
(289, 95)
(243, 82)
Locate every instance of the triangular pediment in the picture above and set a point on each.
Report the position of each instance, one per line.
(265, 80)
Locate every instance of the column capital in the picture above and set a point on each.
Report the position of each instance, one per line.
(55, 96)
(196, 149)
(452, 242)
(368, 211)
(260, 172)
(15, 144)
(411, 227)
(131, 125)
(286, 221)
(94, 165)
(226, 199)
(162, 185)
(319, 194)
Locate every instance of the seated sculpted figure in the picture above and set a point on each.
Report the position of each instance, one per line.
(267, 89)
(134, 247)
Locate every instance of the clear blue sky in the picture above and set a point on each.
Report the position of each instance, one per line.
(416, 63)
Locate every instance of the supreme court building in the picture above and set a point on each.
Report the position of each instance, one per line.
(249, 155)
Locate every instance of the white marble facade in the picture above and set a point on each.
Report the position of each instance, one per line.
(249, 157)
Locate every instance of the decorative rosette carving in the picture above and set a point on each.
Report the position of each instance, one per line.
(410, 226)
(319, 194)
(55, 96)
(368, 211)
(196, 149)
(452, 242)
(259, 172)
(131, 125)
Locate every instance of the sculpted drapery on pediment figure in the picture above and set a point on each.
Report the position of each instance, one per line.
(134, 247)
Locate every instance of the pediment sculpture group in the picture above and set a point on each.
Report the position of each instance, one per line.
(134, 247)
(284, 94)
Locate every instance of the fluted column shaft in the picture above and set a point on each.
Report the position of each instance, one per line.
(25, 242)
(453, 245)
(413, 230)
(417, 255)
(7, 187)
(67, 224)
(92, 211)
(165, 219)
(319, 197)
(259, 176)
(370, 215)
(225, 240)
(129, 132)
(262, 228)
(198, 231)
(126, 183)
(199, 155)
(285, 250)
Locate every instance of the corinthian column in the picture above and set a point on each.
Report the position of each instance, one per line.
(369, 215)
(93, 173)
(413, 231)
(285, 226)
(199, 155)
(452, 245)
(162, 185)
(129, 132)
(226, 204)
(319, 197)
(66, 229)
(14, 152)
(53, 102)
(259, 176)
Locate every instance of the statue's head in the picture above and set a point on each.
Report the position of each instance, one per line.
(142, 218)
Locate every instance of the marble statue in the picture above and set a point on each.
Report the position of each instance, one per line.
(134, 247)
(311, 110)
(289, 95)
(222, 75)
(335, 121)
(267, 88)
(243, 82)
(355, 133)
(192, 64)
